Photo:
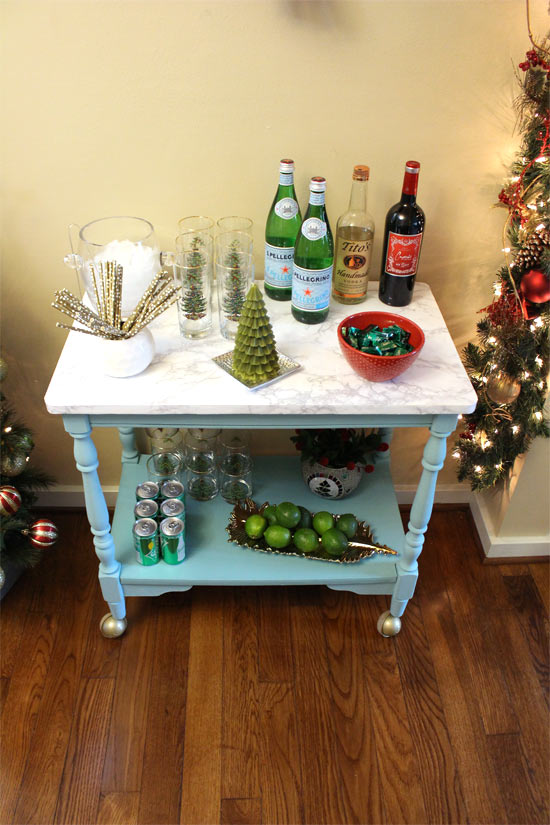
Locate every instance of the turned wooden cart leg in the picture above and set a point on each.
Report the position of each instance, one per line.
(85, 453)
(130, 453)
(389, 623)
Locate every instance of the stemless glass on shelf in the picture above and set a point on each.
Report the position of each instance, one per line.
(234, 275)
(234, 223)
(193, 271)
(200, 453)
(163, 467)
(202, 486)
(166, 440)
(235, 465)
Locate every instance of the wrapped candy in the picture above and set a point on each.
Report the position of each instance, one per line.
(375, 340)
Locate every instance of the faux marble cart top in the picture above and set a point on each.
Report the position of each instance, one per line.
(183, 379)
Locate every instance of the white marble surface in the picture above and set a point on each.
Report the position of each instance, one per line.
(182, 378)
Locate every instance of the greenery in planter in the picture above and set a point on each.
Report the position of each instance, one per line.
(339, 448)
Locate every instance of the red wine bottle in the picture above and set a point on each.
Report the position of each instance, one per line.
(402, 241)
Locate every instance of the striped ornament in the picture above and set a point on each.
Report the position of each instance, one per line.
(10, 500)
(42, 533)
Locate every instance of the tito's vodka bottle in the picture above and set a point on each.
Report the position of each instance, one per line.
(313, 260)
(402, 241)
(354, 235)
(283, 224)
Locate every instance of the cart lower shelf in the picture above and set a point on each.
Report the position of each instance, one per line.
(212, 560)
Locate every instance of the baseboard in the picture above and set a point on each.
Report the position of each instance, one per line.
(494, 547)
(505, 547)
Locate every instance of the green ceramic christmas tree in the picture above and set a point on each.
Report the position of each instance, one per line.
(255, 358)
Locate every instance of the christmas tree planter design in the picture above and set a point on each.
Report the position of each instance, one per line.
(193, 301)
(235, 283)
(255, 358)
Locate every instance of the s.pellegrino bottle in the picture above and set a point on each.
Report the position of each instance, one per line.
(402, 241)
(313, 260)
(282, 226)
(354, 236)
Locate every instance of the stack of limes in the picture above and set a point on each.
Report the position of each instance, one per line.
(281, 524)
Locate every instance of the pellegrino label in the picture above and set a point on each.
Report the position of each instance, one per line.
(314, 229)
(278, 266)
(287, 208)
(351, 267)
(286, 178)
(311, 288)
(402, 255)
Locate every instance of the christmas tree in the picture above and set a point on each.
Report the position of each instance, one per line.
(509, 366)
(255, 357)
(22, 536)
(236, 280)
(193, 300)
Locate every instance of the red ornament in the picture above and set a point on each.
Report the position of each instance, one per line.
(535, 286)
(42, 533)
(382, 447)
(10, 500)
(350, 465)
(369, 468)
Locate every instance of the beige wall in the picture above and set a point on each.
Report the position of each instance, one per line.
(163, 109)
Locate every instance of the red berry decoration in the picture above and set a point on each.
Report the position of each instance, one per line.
(10, 500)
(382, 447)
(324, 461)
(369, 468)
(42, 533)
(535, 287)
(350, 465)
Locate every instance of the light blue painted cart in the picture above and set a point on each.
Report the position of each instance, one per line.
(183, 387)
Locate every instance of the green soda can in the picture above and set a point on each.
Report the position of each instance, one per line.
(146, 541)
(172, 489)
(146, 508)
(172, 540)
(172, 508)
(147, 489)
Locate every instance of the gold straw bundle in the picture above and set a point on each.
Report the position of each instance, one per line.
(107, 322)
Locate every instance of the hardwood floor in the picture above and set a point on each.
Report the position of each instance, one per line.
(278, 705)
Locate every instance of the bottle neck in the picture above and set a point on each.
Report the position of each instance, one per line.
(286, 178)
(358, 196)
(316, 205)
(410, 187)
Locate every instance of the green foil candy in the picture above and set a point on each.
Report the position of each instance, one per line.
(391, 340)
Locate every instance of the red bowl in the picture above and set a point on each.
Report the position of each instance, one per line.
(380, 367)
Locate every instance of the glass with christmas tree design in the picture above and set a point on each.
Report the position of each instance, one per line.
(235, 223)
(193, 271)
(234, 274)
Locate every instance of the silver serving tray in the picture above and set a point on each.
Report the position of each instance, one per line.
(286, 367)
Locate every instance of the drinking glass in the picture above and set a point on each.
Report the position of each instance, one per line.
(163, 467)
(234, 223)
(236, 486)
(202, 486)
(196, 223)
(234, 275)
(234, 447)
(193, 272)
(200, 453)
(166, 440)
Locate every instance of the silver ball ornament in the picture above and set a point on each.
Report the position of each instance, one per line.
(388, 625)
(502, 389)
(2, 578)
(13, 464)
(112, 628)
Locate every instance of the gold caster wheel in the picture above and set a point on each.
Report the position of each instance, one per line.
(111, 628)
(388, 625)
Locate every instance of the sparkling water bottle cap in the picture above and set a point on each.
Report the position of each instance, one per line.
(361, 172)
(413, 167)
(286, 165)
(318, 184)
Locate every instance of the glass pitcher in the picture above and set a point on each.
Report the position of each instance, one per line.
(129, 241)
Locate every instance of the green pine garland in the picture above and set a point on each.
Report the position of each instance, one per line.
(513, 346)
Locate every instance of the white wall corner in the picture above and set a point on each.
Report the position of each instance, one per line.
(501, 547)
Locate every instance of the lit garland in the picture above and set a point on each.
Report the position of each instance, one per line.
(509, 366)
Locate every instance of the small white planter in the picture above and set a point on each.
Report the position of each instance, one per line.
(330, 482)
(121, 359)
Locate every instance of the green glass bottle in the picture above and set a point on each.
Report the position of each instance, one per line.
(281, 229)
(313, 260)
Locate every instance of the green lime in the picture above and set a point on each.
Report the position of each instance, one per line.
(270, 514)
(288, 514)
(347, 523)
(306, 540)
(255, 526)
(334, 541)
(305, 518)
(277, 536)
(322, 522)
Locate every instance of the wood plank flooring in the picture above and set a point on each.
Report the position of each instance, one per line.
(278, 705)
